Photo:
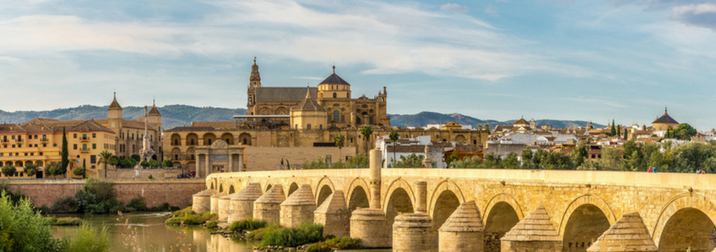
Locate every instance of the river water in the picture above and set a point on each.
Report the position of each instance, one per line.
(146, 232)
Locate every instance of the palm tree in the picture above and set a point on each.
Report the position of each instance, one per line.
(104, 158)
(340, 141)
(366, 131)
(394, 138)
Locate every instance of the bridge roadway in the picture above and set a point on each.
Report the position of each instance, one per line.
(678, 210)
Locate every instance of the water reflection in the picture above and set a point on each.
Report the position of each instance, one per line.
(146, 232)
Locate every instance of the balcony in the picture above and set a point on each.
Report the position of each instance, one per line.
(84, 138)
(84, 150)
(4, 141)
(19, 140)
(44, 140)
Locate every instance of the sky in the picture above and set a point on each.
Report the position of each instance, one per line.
(592, 60)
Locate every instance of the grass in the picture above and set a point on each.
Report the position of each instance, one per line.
(334, 243)
(188, 217)
(87, 238)
(259, 234)
(212, 224)
(291, 237)
(247, 224)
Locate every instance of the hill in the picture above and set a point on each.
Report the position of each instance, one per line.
(179, 115)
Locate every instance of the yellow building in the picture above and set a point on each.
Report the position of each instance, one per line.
(664, 122)
(39, 142)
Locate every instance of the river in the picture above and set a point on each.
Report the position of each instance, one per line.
(147, 232)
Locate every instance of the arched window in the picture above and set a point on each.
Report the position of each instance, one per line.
(335, 115)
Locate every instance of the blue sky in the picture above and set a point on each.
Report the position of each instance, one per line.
(500, 59)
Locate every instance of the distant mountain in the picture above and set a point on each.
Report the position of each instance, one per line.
(179, 115)
(424, 118)
(172, 115)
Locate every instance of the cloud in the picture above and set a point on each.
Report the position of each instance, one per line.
(703, 15)
(454, 8)
(492, 11)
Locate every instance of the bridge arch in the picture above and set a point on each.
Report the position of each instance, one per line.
(687, 215)
(291, 188)
(232, 190)
(358, 194)
(446, 197)
(323, 189)
(583, 221)
(399, 198)
(501, 214)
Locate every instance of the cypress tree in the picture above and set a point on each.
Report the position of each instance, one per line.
(619, 130)
(613, 131)
(65, 160)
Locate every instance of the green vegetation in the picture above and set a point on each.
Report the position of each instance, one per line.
(334, 243)
(411, 161)
(168, 163)
(136, 204)
(366, 132)
(247, 224)
(65, 221)
(259, 234)
(65, 160)
(212, 224)
(30, 169)
(352, 162)
(97, 197)
(9, 170)
(188, 217)
(87, 238)
(340, 141)
(23, 229)
(290, 237)
(104, 158)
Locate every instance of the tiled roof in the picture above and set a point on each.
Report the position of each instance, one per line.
(334, 79)
(115, 104)
(154, 110)
(522, 121)
(283, 94)
(666, 119)
(309, 104)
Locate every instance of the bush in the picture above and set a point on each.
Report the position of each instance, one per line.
(334, 243)
(9, 170)
(247, 224)
(187, 217)
(65, 205)
(212, 224)
(87, 238)
(97, 197)
(22, 228)
(259, 234)
(137, 204)
(292, 237)
(162, 208)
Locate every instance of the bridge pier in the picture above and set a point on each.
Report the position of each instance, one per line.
(368, 224)
(215, 202)
(241, 206)
(298, 208)
(201, 201)
(268, 207)
(224, 204)
(413, 232)
(463, 231)
(534, 233)
(421, 197)
(333, 215)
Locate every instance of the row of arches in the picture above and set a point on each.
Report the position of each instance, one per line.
(209, 138)
(687, 222)
(18, 164)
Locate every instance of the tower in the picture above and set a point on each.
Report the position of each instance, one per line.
(114, 114)
(254, 82)
(154, 117)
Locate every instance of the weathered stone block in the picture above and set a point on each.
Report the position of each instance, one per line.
(413, 232)
(333, 215)
(368, 225)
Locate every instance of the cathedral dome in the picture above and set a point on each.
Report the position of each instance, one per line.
(334, 79)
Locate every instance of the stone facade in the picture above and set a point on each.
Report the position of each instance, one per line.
(298, 208)
(413, 232)
(463, 231)
(268, 207)
(242, 205)
(202, 201)
(333, 215)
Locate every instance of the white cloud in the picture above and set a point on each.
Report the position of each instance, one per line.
(457, 8)
(492, 11)
(696, 14)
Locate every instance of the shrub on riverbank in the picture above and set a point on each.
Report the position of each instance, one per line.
(247, 224)
(212, 224)
(259, 234)
(97, 197)
(23, 229)
(290, 237)
(188, 217)
(334, 243)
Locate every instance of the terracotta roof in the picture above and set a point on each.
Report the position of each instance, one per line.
(283, 94)
(522, 121)
(154, 110)
(190, 128)
(666, 119)
(115, 104)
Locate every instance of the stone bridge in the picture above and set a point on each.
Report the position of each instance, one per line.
(499, 210)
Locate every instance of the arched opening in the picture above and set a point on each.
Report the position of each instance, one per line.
(500, 220)
(323, 194)
(228, 138)
(192, 139)
(282, 111)
(460, 139)
(176, 139)
(584, 226)
(190, 154)
(359, 198)
(399, 202)
(209, 138)
(292, 188)
(265, 111)
(18, 164)
(446, 203)
(689, 229)
(268, 187)
(245, 139)
(221, 188)
(231, 189)
(176, 154)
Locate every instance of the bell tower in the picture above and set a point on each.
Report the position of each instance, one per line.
(254, 83)
(114, 114)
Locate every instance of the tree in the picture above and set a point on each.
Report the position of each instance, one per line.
(580, 153)
(527, 162)
(611, 159)
(30, 169)
(493, 161)
(136, 158)
(613, 131)
(170, 163)
(80, 171)
(411, 161)
(104, 158)
(619, 130)
(366, 131)
(53, 169)
(65, 153)
(479, 127)
(510, 161)
(394, 136)
(340, 140)
(452, 158)
(684, 131)
(9, 170)
(487, 128)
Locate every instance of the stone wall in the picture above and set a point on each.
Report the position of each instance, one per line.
(125, 174)
(269, 158)
(155, 193)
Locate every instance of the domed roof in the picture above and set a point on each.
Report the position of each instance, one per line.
(334, 79)
(522, 121)
(666, 119)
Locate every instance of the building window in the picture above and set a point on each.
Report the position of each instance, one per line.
(74, 146)
(308, 126)
(75, 135)
(94, 135)
(94, 146)
(93, 159)
(335, 115)
(44, 145)
(40, 153)
(84, 146)
(343, 118)
(335, 95)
